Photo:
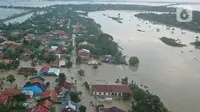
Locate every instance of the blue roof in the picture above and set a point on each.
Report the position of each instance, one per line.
(35, 89)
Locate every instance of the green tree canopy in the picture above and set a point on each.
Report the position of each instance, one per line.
(134, 61)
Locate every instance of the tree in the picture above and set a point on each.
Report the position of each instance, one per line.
(20, 97)
(10, 78)
(80, 93)
(125, 80)
(78, 60)
(81, 72)
(75, 97)
(61, 78)
(134, 61)
(25, 76)
(126, 96)
(82, 108)
(87, 86)
(69, 64)
(50, 58)
(95, 66)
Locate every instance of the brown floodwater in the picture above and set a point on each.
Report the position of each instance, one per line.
(170, 72)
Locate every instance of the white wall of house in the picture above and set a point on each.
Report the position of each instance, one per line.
(62, 63)
(107, 94)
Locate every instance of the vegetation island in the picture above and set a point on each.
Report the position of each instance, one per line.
(172, 42)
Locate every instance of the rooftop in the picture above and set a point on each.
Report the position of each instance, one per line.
(111, 88)
(11, 92)
(51, 94)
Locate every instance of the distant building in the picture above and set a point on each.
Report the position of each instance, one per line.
(7, 94)
(110, 90)
(86, 43)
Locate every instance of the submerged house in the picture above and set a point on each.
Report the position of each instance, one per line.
(36, 85)
(44, 71)
(27, 70)
(84, 53)
(54, 72)
(110, 90)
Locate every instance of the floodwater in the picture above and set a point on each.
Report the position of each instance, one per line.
(5, 12)
(171, 73)
(19, 19)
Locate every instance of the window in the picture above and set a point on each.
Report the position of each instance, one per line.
(95, 93)
(104, 93)
(112, 93)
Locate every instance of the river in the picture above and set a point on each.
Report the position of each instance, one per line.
(171, 73)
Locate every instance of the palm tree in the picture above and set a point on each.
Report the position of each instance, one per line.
(10, 79)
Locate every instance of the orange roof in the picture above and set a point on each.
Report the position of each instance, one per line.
(62, 89)
(11, 92)
(36, 80)
(51, 94)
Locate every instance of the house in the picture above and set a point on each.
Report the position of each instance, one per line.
(30, 37)
(7, 94)
(49, 95)
(11, 92)
(55, 63)
(66, 86)
(37, 88)
(93, 62)
(28, 71)
(86, 43)
(1, 54)
(62, 61)
(44, 71)
(112, 109)
(3, 98)
(28, 93)
(60, 33)
(110, 90)
(36, 85)
(6, 61)
(69, 107)
(84, 53)
(54, 71)
(54, 47)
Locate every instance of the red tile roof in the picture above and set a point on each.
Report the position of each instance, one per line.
(40, 108)
(3, 98)
(11, 92)
(66, 85)
(112, 109)
(51, 94)
(111, 88)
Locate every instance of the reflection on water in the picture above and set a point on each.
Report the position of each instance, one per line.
(170, 72)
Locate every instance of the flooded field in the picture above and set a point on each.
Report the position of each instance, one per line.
(171, 73)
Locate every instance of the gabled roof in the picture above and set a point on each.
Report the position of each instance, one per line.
(111, 88)
(51, 94)
(39, 108)
(11, 92)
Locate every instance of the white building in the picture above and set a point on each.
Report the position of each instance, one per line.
(93, 62)
(54, 71)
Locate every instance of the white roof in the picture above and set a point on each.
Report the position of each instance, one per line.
(55, 71)
(27, 92)
(71, 106)
(54, 47)
(85, 50)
